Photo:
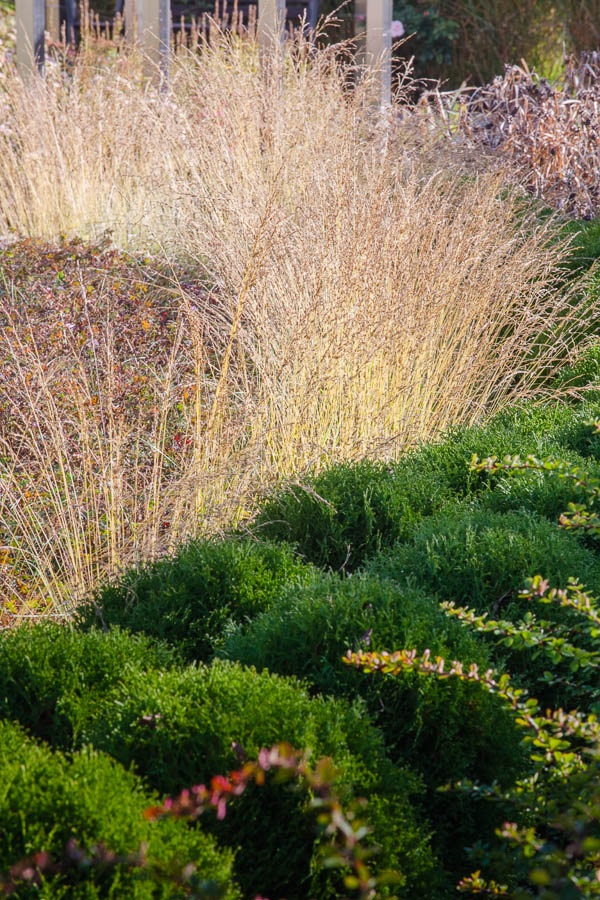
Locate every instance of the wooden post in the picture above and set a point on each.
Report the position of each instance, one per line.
(313, 16)
(53, 19)
(156, 37)
(71, 20)
(271, 24)
(31, 16)
(373, 30)
(360, 32)
(132, 15)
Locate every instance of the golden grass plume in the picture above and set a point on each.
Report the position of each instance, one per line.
(330, 295)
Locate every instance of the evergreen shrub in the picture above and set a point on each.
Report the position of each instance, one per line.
(344, 515)
(192, 598)
(445, 730)
(585, 246)
(49, 674)
(545, 497)
(552, 430)
(482, 558)
(350, 511)
(48, 800)
(584, 373)
(180, 727)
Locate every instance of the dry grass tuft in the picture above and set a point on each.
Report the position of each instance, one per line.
(323, 295)
(97, 375)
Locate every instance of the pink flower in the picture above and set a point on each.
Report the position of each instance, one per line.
(397, 28)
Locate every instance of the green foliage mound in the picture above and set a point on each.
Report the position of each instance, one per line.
(585, 243)
(480, 557)
(584, 374)
(551, 846)
(50, 674)
(47, 800)
(180, 727)
(446, 730)
(192, 599)
(553, 430)
(310, 630)
(350, 512)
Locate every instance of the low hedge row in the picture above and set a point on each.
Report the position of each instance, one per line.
(195, 597)
(203, 718)
(361, 559)
(50, 675)
(446, 730)
(48, 799)
(348, 513)
(180, 725)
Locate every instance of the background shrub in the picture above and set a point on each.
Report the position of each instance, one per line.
(194, 597)
(349, 512)
(548, 430)
(473, 40)
(585, 246)
(584, 374)
(482, 558)
(48, 799)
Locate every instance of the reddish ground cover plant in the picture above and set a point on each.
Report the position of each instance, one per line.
(97, 376)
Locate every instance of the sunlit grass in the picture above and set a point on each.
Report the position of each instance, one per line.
(331, 295)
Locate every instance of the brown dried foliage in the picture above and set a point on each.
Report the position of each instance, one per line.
(549, 134)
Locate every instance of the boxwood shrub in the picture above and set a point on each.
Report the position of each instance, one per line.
(49, 674)
(482, 558)
(48, 799)
(180, 727)
(553, 430)
(192, 598)
(344, 515)
(446, 729)
(351, 511)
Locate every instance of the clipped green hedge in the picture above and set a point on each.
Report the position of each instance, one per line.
(446, 729)
(553, 430)
(180, 727)
(310, 630)
(584, 373)
(352, 511)
(193, 598)
(48, 799)
(50, 674)
(482, 558)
